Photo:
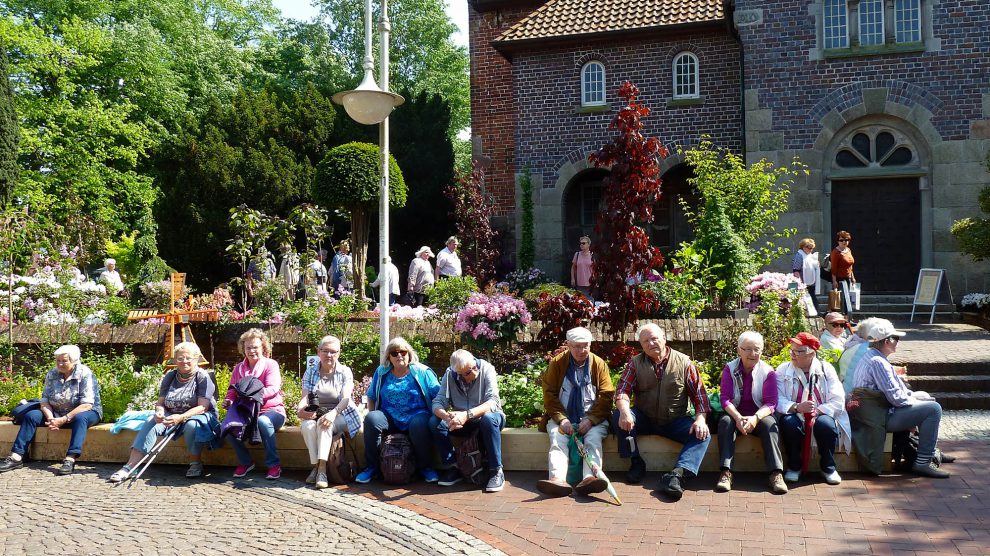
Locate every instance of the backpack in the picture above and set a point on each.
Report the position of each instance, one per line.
(471, 460)
(398, 465)
(342, 466)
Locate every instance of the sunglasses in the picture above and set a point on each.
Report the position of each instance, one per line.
(399, 352)
(837, 325)
(843, 241)
(893, 339)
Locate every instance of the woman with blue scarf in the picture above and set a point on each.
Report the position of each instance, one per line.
(577, 397)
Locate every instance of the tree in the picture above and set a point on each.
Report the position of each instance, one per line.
(424, 57)
(632, 188)
(349, 178)
(10, 132)
(257, 151)
(752, 197)
(473, 211)
(728, 258)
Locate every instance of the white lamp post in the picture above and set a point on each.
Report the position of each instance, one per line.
(371, 103)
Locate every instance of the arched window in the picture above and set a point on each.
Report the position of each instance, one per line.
(593, 84)
(875, 147)
(686, 76)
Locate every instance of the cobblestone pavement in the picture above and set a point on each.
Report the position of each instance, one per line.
(44, 514)
(942, 342)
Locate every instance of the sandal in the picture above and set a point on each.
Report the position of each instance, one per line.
(120, 474)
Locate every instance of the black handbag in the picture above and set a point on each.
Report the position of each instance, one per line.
(23, 408)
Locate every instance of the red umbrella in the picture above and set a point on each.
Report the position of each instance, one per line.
(809, 425)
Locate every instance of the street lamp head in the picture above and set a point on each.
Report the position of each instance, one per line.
(368, 104)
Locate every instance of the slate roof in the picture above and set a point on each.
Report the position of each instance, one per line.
(564, 18)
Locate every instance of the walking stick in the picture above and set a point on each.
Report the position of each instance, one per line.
(809, 425)
(595, 469)
(149, 458)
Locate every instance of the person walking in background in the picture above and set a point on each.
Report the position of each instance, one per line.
(391, 274)
(341, 268)
(448, 263)
(420, 276)
(805, 267)
(842, 268)
(581, 266)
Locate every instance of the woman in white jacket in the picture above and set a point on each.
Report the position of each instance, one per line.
(808, 386)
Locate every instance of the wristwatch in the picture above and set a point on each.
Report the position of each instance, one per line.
(470, 414)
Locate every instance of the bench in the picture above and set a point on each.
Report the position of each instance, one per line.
(522, 450)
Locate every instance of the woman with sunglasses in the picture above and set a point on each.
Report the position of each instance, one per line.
(400, 400)
(836, 332)
(581, 267)
(842, 267)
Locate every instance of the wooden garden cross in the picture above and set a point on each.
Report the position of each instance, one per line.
(180, 314)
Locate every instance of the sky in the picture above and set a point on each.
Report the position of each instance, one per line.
(303, 9)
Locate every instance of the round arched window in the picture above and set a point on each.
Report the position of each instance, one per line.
(875, 147)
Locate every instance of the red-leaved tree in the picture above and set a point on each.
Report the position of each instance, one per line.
(473, 210)
(631, 191)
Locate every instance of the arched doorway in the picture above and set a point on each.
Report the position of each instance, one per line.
(670, 226)
(877, 181)
(582, 203)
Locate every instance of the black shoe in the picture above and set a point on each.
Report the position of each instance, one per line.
(68, 466)
(637, 470)
(496, 482)
(670, 484)
(450, 477)
(8, 464)
(944, 458)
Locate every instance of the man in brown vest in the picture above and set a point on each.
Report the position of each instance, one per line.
(663, 381)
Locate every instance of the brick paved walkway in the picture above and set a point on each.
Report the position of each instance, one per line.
(899, 514)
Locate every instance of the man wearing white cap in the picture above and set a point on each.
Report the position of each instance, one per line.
(909, 409)
(577, 397)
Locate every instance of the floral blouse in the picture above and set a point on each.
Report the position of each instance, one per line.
(64, 395)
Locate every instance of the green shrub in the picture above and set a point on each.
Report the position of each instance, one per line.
(14, 388)
(269, 298)
(116, 308)
(121, 379)
(532, 295)
(719, 241)
(451, 294)
(522, 394)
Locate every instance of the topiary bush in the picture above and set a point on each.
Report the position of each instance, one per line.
(451, 294)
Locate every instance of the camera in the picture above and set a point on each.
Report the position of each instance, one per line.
(313, 404)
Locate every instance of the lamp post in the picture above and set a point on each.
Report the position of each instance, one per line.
(371, 103)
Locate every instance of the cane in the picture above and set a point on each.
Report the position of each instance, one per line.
(809, 425)
(149, 458)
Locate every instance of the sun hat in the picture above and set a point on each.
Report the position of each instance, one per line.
(424, 249)
(834, 317)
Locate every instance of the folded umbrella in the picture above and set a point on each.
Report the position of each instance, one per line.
(596, 470)
(809, 426)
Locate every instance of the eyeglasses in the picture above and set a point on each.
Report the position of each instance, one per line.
(836, 325)
(796, 353)
(843, 241)
(399, 352)
(185, 359)
(330, 351)
(893, 339)
(584, 243)
(752, 350)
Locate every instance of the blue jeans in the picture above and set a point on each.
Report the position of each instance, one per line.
(377, 425)
(79, 426)
(926, 416)
(678, 430)
(147, 437)
(490, 425)
(268, 423)
(792, 435)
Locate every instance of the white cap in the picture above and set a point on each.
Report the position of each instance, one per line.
(579, 335)
(883, 329)
(424, 249)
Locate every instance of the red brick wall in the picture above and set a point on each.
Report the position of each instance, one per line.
(493, 106)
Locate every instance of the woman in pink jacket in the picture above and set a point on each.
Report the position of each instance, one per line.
(256, 348)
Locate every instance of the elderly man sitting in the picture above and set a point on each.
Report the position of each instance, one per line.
(663, 381)
(577, 397)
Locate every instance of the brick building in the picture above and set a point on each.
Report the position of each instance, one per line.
(887, 102)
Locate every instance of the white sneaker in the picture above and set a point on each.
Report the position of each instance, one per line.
(792, 476)
(832, 478)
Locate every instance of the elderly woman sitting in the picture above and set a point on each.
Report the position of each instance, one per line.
(186, 405)
(71, 399)
(810, 395)
(749, 397)
(326, 409)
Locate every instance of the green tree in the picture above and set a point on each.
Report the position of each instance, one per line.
(423, 55)
(753, 197)
(973, 234)
(349, 178)
(728, 256)
(256, 151)
(10, 132)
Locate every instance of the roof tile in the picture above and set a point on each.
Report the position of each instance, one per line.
(561, 18)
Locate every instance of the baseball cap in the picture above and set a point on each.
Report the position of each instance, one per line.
(806, 339)
(883, 329)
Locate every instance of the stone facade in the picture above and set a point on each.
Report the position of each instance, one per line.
(804, 101)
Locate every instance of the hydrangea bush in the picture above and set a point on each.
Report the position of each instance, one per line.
(487, 321)
(773, 281)
(976, 302)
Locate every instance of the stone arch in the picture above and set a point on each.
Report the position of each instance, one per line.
(581, 59)
(899, 195)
